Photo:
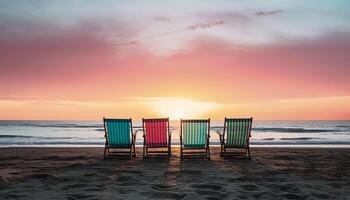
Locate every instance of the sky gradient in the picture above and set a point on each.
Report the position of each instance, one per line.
(87, 59)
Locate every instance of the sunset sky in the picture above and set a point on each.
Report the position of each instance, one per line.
(86, 59)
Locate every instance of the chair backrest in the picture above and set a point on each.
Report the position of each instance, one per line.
(156, 132)
(118, 132)
(237, 132)
(194, 133)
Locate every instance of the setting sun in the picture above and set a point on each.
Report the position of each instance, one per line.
(176, 108)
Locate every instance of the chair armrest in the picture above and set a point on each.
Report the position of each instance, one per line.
(219, 133)
(135, 133)
(221, 136)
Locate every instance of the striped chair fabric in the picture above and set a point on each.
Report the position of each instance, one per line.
(118, 132)
(237, 132)
(156, 132)
(194, 133)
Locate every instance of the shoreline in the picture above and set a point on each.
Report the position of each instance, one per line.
(303, 146)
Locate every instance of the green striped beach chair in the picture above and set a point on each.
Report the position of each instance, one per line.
(120, 139)
(235, 137)
(194, 137)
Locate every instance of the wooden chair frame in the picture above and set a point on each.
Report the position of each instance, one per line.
(147, 149)
(108, 153)
(187, 152)
(224, 150)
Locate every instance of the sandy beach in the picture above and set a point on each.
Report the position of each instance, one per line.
(75, 173)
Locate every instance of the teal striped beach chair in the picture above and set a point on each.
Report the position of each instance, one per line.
(194, 137)
(235, 137)
(120, 139)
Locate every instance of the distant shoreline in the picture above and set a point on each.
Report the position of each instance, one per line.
(316, 146)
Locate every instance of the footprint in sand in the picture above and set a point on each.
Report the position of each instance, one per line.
(207, 186)
(162, 187)
(212, 191)
(79, 196)
(294, 196)
(42, 176)
(163, 195)
(129, 172)
(320, 196)
(284, 188)
(250, 187)
(73, 186)
(126, 180)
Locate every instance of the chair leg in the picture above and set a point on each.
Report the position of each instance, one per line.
(169, 147)
(222, 151)
(221, 147)
(169, 152)
(144, 151)
(208, 152)
(144, 147)
(109, 153)
(134, 150)
(104, 153)
(131, 152)
(181, 153)
(249, 156)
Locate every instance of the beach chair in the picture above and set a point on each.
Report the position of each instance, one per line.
(120, 139)
(235, 137)
(194, 137)
(156, 136)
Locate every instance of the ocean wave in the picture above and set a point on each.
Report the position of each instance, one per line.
(39, 137)
(68, 126)
(51, 125)
(215, 142)
(15, 136)
(343, 126)
(294, 130)
(51, 143)
(303, 142)
(301, 138)
(268, 139)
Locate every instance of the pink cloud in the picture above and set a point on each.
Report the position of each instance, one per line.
(205, 25)
(269, 13)
(82, 63)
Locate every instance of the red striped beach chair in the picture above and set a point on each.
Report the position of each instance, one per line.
(157, 135)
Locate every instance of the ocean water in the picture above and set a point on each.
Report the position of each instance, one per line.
(91, 133)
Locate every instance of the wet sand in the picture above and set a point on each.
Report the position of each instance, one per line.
(76, 173)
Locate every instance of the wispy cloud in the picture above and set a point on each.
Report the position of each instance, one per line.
(205, 25)
(192, 27)
(269, 13)
(127, 43)
(162, 19)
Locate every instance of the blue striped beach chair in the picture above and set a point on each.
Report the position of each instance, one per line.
(120, 138)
